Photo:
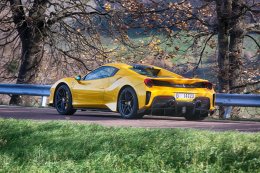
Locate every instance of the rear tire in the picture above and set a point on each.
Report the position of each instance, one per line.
(63, 101)
(128, 104)
(196, 116)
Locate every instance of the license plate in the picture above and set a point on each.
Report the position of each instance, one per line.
(184, 96)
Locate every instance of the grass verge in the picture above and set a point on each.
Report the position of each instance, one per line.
(27, 146)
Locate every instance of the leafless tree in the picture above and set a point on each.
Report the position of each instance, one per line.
(30, 28)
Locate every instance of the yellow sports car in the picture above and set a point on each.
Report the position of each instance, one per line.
(134, 91)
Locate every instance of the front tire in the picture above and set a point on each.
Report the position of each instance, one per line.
(128, 104)
(63, 101)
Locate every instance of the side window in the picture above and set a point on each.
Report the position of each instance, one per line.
(110, 71)
(93, 74)
(102, 72)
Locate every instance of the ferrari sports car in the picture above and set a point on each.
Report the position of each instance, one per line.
(134, 91)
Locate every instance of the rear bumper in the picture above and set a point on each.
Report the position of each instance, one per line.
(169, 106)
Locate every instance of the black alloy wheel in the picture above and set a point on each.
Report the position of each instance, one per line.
(128, 104)
(63, 101)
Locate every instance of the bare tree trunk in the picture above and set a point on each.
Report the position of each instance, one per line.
(30, 60)
(235, 49)
(31, 33)
(223, 12)
(236, 46)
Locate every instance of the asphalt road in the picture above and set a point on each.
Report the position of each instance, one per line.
(113, 119)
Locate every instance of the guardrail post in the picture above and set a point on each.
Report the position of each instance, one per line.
(44, 101)
(227, 113)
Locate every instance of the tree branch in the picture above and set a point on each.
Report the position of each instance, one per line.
(18, 12)
(201, 53)
(253, 40)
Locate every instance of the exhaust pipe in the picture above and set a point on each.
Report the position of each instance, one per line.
(183, 110)
(171, 102)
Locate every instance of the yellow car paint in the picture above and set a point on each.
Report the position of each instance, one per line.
(104, 93)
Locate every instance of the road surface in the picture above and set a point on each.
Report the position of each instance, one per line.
(113, 119)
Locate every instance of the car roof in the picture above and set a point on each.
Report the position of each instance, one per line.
(126, 66)
(118, 65)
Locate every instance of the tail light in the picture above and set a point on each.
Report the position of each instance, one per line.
(148, 82)
(208, 85)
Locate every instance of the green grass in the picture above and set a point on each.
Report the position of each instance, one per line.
(27, 146)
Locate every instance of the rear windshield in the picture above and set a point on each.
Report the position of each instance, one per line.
(146, 70)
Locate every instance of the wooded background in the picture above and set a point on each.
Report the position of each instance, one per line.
(44, 40)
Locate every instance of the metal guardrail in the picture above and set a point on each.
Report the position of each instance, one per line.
(243, 100)
(27, 89)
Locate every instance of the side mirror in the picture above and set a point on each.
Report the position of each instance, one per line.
(78, 78)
